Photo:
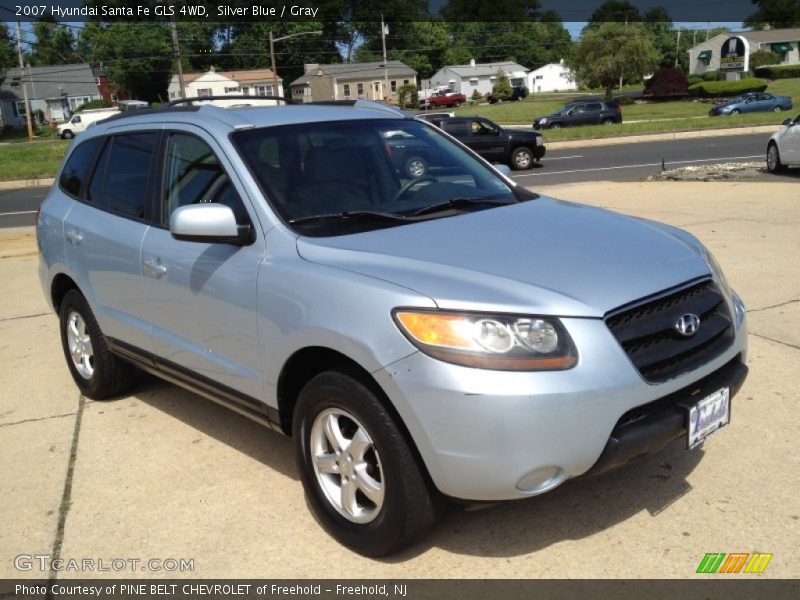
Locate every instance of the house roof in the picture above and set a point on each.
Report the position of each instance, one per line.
(244, 76)
(360, 70)
(483, 69)
(772, 35)
(51, 81)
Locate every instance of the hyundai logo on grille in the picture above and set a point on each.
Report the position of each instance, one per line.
(687, 325)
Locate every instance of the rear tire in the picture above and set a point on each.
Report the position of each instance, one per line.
(96, 371)
(361, 479)
(67, 135)
(774, 164)
(608, 121)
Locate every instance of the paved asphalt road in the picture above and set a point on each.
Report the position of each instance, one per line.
(622, 162)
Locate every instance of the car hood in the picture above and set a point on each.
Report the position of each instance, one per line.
(543, 256)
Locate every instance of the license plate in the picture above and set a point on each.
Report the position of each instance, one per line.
(708, 415)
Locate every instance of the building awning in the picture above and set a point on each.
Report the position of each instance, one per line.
(704, 55)
(782, 47)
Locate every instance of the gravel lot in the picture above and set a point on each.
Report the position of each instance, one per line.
(165, 474)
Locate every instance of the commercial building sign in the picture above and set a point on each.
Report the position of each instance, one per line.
(734, 55)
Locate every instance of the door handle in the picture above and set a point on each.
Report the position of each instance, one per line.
(73, 237)
(154, 268)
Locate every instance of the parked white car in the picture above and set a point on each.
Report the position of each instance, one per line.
(80, 121)
(783, 149)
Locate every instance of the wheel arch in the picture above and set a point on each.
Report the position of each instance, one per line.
(61, 284)
(309, 362)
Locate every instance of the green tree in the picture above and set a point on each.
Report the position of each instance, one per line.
(502, 87)
(620, 11)
(7, 54)
(613, 50)
(136, 55)
(775, 13)
(54, 45)
(497, 10)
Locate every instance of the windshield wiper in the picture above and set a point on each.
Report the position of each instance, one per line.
(459, 203)
(365, 215)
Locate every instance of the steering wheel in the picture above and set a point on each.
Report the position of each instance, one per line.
(404, 190)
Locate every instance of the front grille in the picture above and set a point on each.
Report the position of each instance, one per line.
(647, 331)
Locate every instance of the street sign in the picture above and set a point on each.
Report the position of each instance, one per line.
(734, 55)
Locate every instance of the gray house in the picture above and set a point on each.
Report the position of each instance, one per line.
(783, 42)
(55, 90)
(352, 81)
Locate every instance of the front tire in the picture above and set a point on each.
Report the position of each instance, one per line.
(361, 479)
(67, 135)
(521, 158)
(96, 371)
(555, 126)
(774, 164)
(416, 167)
(777, 109)
(736, 111)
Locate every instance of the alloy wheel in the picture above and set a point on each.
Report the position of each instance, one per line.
(80, 345)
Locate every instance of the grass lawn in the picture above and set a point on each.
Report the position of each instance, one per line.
(26, 161)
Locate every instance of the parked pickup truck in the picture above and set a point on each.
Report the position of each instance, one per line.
(518, 149)
(444, 98)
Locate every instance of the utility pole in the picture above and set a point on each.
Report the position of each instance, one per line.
(385, 68)
(24, 85)
(272, 59)
(177, 48)
(677, 47)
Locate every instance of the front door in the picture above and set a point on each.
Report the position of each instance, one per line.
(487, 141)
(201, 297)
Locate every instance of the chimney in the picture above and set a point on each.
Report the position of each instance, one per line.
(308, 67)
(471, 62)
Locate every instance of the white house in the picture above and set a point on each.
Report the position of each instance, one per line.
(254, 82)
(555, 77)
(784, 42)
(481, 76)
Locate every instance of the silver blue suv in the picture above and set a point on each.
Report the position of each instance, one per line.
(421, 336)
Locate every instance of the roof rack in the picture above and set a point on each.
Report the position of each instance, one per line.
(228, 97)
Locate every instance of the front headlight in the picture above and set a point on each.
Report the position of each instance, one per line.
(543, 120)
(718, 274)
(489, 341)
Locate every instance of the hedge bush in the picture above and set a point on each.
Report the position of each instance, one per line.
(92, 104)
(779, 72)
(624, 100)
(712, 76)
(711, 89)
(692, 79)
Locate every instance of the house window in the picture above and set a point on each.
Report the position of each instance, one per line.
(346, 90)
(19, 107)
(76, 101)
(360, 89)
(394, 86)
(263, 90)
(245, 90)
(204, 93)
(704, 57)
(405, 81)
(231, 90)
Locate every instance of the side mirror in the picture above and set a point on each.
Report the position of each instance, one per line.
(502, 169)
(209, 223)
(787, 122)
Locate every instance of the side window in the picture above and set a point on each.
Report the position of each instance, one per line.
(194, 175)
(594, 107)
(76, 119)
(77, 168)
(458, 129)
(120, 180)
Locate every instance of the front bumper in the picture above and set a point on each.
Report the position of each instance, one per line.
(539, 152)
(489, 435)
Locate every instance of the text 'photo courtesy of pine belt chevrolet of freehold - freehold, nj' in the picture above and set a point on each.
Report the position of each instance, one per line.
(399, 298)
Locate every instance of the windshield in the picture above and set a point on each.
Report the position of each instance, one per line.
(564, 109)
(320, 176)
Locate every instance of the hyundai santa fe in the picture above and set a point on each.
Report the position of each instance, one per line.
(426, 337)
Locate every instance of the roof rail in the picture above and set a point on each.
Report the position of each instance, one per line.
(228, 97)
(370, 104)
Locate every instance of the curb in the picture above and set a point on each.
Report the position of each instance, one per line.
(660, 137)
(20, 184)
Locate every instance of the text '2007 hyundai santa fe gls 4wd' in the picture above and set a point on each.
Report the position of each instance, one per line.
(451, 335)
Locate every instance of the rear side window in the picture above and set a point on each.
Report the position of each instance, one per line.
(121, 179)
(77, 168)
(594, 107)
(459, 129)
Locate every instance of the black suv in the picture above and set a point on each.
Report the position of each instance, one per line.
(518, 149)
(595, 112)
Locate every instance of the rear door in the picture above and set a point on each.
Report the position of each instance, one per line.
(790, 143)
(593, 113)
(104, 233)
(201, 297)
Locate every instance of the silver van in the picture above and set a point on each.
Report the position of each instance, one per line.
(451, 335)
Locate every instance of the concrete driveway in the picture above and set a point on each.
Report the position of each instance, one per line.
(162, 474)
